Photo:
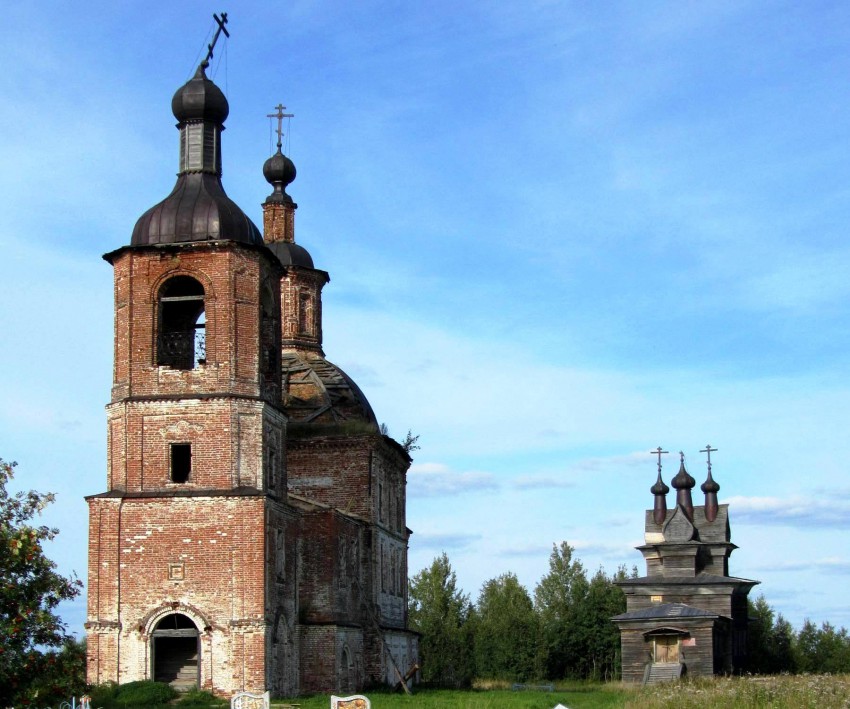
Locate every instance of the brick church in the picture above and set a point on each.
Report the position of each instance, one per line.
(252, 533)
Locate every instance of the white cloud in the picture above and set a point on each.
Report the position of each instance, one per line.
(444, 542)
(530, 482)
(436, 479)
(795, 511)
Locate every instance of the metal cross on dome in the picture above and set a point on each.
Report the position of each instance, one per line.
(222, 21)
(280, 115)
(659, 453)
(708, 450)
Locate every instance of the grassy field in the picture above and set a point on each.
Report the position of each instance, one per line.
(576, 697)
(783, 692)
(802, 692)
(799, 692)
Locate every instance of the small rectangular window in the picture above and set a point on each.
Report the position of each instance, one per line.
(181, 462)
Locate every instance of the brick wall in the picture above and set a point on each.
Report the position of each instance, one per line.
(151, 557)
(281, 598)
(232, 278)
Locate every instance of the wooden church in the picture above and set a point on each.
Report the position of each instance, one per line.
(252, 534)
(687, 615)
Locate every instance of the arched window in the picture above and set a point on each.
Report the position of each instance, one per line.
(305, 314)
(270, 336)
(181, 341)
(347, 680)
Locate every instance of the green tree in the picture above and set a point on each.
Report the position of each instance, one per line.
(805, 647)
(770, 640)
(30, 591)
(600, 659)
(823, 649)
(506, 634)
(783, 646)
(63, 674)
(760, 633)
(559, 600)
(442, 613)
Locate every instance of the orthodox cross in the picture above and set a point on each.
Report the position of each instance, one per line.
(280, 115)
(222, 21)
(659, 453)
(708, 450)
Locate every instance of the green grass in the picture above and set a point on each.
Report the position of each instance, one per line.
(784, 692)
(579, 696)
(132, 694)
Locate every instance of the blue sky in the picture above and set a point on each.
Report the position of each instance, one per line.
(559, 235)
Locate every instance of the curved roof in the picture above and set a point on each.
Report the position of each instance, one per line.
(317, 391)
(291, 254)
(196, 210)
(199, 99)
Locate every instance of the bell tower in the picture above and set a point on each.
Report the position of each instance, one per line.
(252, 535)
(196, 477)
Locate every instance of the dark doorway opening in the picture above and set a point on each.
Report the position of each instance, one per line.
(175, 652)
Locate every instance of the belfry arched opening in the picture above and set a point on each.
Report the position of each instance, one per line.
(176, 651)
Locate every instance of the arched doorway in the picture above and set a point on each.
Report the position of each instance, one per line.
(346, 671)
(175, 651)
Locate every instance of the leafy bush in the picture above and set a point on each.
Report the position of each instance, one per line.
(199, 698)
(144, 693)
(103, 694)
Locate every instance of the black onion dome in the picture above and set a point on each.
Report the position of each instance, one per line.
(199, 99)
(683, 479)
(291, 254)
(659, 488)
(710, 485)
(196, 210)
(279, 172)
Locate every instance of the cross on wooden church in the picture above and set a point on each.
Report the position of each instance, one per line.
(280, 115)
(222, 21)
(659, 453)
(708, 450)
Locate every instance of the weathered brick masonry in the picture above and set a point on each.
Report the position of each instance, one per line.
(252, 534)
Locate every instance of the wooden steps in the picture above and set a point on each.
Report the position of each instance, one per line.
(180, 671)
(663, 672)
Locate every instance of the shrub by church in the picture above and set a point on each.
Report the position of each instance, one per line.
(252, 533)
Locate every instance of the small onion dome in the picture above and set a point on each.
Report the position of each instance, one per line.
(279, 172)
(291, 254)
(683, 480)
(199, 99)
(659, 488)
(710, 486)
